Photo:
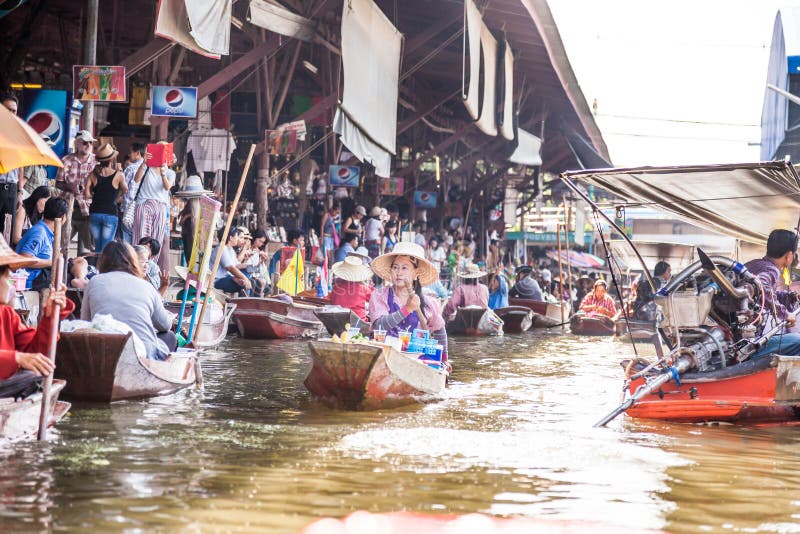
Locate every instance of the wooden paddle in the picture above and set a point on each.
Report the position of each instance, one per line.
(58, 272)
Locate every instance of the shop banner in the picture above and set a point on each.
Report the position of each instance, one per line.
(343, 176)
(424, 199)
(206, 225)
(176, 102)
(101, 83)
(47, 112)
(391, 186)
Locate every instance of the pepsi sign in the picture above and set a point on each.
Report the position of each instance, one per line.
(47, 112)
(177, 102)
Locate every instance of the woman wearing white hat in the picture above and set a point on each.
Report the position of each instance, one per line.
(402, 306)
(351, 285)
(470, 292)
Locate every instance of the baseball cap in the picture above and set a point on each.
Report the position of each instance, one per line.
(361, 210)
(85, 136)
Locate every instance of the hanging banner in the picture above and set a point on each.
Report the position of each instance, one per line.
(392, 187)
(343, 176)
(101, 83)
(206, 225)
(176, 102)
(424, 199)
(281, 142)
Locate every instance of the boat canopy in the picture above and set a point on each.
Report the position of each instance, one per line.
(745, 201)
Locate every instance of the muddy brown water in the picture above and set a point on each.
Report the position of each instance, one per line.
(511, 436)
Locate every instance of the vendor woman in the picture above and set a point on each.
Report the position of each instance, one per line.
(22, 348)
(599, 302)
(402, 306)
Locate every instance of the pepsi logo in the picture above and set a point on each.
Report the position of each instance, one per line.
(48, 123)
(343, 172)
(174, 98)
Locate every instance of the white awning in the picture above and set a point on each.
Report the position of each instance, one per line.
(366, 119)
(529, 149)
(172, 22)
(507, 118)
(744, 201)
(280, 20)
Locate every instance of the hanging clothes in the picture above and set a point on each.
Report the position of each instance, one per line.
(211, 149)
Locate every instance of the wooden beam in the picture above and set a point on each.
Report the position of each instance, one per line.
(444, 145)
(146, 55)
(408, 123)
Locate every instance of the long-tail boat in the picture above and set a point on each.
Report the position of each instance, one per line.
(715, 321)
(516, 319)
(354, 376)
(272, 318)
(19, 419)
(545, 314)
(467, 322)
(106, 367)
(215, 322)
(591, 325)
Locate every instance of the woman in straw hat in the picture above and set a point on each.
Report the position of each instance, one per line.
(470, 292)
(105, 188)
(402, 306)
(352, 287)
(22, 361)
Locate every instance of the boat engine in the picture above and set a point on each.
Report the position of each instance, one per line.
(709, 309)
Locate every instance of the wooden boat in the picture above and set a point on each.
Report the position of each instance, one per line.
(639, 330)
(764, 389)
(353, 376)
(268, 318)
(516, 319)
(467, 323)
(105, 367)
(335, 319)
(584, 325)
(215, 322)
(545, 314)
(20, 419)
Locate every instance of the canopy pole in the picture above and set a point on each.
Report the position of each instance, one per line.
(560, 276)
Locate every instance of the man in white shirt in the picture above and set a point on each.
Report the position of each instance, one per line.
(136, 158)
(229, 278)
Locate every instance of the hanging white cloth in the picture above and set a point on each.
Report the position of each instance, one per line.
(211, 149)
(173, 23)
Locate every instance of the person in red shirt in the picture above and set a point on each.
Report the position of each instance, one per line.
(352, 286)
(598, 302)
(22, 348)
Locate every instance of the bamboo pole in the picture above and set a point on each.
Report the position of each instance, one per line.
(222, 241)
(561, 289)
(568, 215)
(58, 272)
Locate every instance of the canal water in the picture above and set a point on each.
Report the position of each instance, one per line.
(512, 436)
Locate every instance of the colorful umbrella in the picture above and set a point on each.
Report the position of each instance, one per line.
(21, 146)
(581, 260)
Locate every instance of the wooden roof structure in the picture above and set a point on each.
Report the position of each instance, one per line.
(44, 39)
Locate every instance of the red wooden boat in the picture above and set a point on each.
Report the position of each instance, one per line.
(268, 318)
(215, 322)
(106, 367)
(516, 319)
(545, 314)
(765, 389)
(354, 376)
(19, 419)
(597, 325)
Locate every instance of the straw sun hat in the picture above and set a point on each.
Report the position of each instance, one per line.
(11, 259)
(472, 271)
(193, 187)
(352, 269)
(105, 152)
(426, 272)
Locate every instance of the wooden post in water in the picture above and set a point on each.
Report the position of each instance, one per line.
(568, 215)
(222, 241)
(561, 289)
(58, 272)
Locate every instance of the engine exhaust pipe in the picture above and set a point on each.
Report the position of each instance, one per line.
(721, 280)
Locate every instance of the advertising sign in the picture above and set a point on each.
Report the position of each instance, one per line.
(176, 102)
(391, 186)
(102, 83)
(47, 112)
(424, 199)
(203, 237)
(343, 176)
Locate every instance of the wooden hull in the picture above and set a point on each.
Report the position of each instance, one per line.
(368, 377)
(266, 318)
(20, 419)
(516, 319)
(466, 323)
(335, 321)
(215, 323)
(582, 325)
(545, 314)
(639, 330)
(104, 367)
(763, 390)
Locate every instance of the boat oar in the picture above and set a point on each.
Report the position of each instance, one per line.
(58, 271)
(681, 366)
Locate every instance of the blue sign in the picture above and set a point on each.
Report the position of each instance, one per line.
(793, 62)
(343, 176)
(424, 199)
(178, 102)
(47, 112)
